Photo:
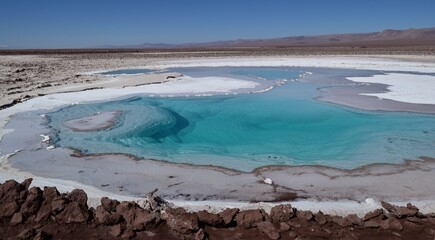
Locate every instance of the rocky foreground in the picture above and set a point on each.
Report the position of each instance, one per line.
(33, 213)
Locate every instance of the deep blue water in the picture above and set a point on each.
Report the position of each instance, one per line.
(284, 126)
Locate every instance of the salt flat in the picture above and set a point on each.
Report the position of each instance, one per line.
(391, 182)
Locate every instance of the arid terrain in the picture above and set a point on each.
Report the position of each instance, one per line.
(29, 212)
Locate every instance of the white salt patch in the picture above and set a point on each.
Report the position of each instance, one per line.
(410, 88)
(50, 147)
(268, 181)
(45, 138)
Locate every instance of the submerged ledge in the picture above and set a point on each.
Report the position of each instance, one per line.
(96, 122)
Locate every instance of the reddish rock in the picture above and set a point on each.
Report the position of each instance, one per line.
(109, 204)
(411, 226)
(102, 216)
(384, 224)
(115, 230)
(354, 219)
(73, 213)
(248, 218)
(145, 219)
(395, 224)
(228, 215)
(17, 218)
(304, 215)
(181, 222)
(33, 202)
(343, 222)
(320, 218)
(374, 223)
(268, 229)
(209, 218)
(283, 227)
(294, 224)
(373, 214)
(399, 211)
(281, 213)
(41, 235)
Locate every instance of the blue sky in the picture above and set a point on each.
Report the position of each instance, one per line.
(79, 23)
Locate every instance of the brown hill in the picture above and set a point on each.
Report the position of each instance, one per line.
(409, 37)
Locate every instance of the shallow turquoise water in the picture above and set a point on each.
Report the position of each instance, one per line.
(128, 71)
(283, 126)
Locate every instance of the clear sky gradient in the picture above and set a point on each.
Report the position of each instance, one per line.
(87, 23)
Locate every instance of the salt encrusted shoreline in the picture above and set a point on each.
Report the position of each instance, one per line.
(374, 63)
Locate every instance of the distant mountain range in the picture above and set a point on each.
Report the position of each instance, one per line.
(408, 37)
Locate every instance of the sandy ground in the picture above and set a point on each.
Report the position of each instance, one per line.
(338, 191)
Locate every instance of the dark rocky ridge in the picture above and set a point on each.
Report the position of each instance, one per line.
(33, 213)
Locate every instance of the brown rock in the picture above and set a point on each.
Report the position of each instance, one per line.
(44, 212)
(281, 213)
(283, 227)
(41, 235)
(73, 213)
(128, 234)
(373, 214)
(145, 219)
(109, 204)
(384, 224)
(102, 216)
(401, 212)
(58, 204)
(26, 184)
(50, 193)
(78, 195)
(268, 229)
(294, 224)
(228, 215)
(320, 218)
(407, 225)
(429, 231)
(343, 222)
(128, 211)
(374, 223)
(292, 235)
(10, 192)
(115, 230)
(354, 219)
(248, 218)
(33, 202)
(304, 215)
(17, 218)
(209, 218)
(200, 235)
(27, 234)
(8, 209)
(182, 223)
(395, 224)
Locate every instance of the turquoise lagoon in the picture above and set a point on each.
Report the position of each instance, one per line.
(284, 126)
